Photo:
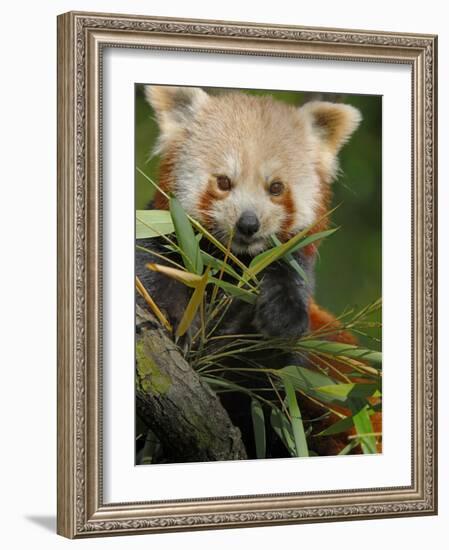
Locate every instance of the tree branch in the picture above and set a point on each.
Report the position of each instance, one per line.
(184, 413)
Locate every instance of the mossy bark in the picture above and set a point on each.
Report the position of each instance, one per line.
(184, 413)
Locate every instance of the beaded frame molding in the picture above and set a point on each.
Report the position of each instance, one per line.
(81, 39)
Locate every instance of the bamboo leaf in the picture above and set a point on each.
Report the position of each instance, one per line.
(294, 264)
(192, 306)
(263, 260)
(307, 381)
(282, 427)
(258, 419)
(348, 390)
(299, 435)
(186, 238)
(218, 264)
(260, 257)
(340, 426)
(339, 349)
(314, 237)
(346, 450)
(364, 427)
(311, 382)
(266, 258)
(288, 257)
(189, 279)
(291, 261)
(153, 223)
(306, 378)
(235, 291)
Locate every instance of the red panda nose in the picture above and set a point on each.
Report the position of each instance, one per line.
(248, 223)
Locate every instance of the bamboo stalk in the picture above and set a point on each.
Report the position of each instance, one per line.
(154, 307)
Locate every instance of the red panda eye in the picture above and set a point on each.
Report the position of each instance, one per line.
(224, 183)
(276, 188)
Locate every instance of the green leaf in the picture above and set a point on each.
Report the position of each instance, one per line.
(299, 435)
(288, 257)
(338, 349)
(314, 237)
(266, 258)
(186, 238)
(346, 450)
(338, 427)
(344, 424)
(153, 223)
(307, 380)
(283, 428)
(218, 264)
(291, 261)
(348, 390)
(364, 427)
(235, 291)
(259, 428)
(257, 259)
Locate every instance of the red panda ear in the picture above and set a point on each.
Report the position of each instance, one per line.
(334, 123)
(175, 107)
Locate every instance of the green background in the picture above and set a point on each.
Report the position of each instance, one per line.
(348, 270)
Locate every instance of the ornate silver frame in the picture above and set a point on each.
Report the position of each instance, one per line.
(81, 38)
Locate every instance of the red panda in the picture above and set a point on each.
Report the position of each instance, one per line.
(257, 167)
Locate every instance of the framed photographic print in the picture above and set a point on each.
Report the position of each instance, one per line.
(247, 274)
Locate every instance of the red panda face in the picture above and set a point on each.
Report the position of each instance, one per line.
(248, 167)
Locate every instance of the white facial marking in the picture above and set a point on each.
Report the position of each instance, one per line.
(253, 141)
(232, 165)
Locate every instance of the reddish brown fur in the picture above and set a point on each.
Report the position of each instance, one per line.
(204, 206)
(206, 200)
(323, 207)
(320, 319)
(166, 178)
(210, 195)
(325, 200)
(287, 201)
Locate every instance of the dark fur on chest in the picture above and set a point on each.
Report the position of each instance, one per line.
(281, 309)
